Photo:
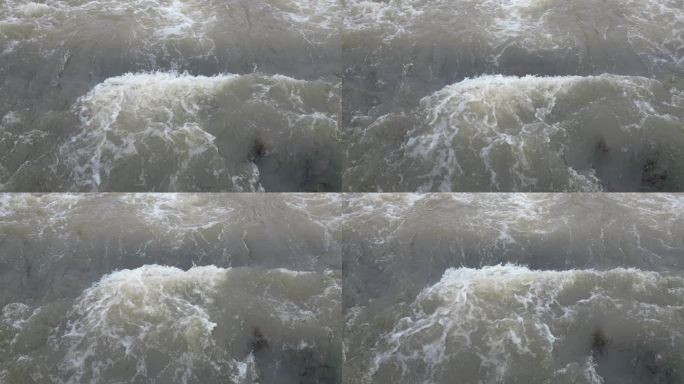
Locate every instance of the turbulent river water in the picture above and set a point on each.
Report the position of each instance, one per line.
(168, 289)
(341, 95)
(169, 95)
(181, 100)
(342, 288)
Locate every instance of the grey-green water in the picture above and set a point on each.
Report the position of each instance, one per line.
(342, 288)
(169, 95)
(514, 95)
(341, 95)
(161, 288)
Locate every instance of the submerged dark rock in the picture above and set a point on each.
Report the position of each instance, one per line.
(599, 341)
(654, 176)
(259, 341)
(259, 150)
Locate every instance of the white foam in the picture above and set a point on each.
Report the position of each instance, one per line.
(654, 28)
(130, 116)
(162, 20)
(11, 118)
(499, 114)
(163, 309)
(157, 23)
(499, 315)
(311, 15)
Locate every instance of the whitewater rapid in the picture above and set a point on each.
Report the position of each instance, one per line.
(159, 323)
(358, 96)
(515, 95)
(341, 288)
(102, 95)
(507, 133)
(516, 325)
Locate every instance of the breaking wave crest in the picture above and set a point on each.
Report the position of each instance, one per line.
(578, 326)
(158, 323)
(169, 131)
(499, 133)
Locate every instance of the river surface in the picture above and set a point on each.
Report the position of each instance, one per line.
(341, 95)
(342, 288)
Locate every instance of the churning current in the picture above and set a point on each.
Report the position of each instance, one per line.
(167, 289)
(342, 288)
(341, 95)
